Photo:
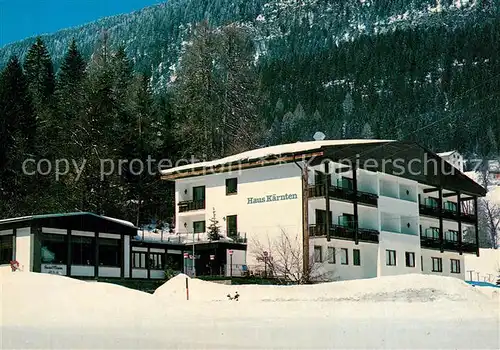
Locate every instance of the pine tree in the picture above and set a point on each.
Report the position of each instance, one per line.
(214, 228)
(17, 137)
(367, 132)
(99, 129)
(216, 93)
(70, 97)
(40, 74)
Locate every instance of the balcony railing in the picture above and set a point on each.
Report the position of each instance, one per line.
(447, 213)
(186, 206)
(450, 214)
(343, 232)
(343, 194)
(469, 217)
(239, 238)
(448, 244)
(429, 210)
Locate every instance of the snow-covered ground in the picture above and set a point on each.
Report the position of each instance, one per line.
(405, 312)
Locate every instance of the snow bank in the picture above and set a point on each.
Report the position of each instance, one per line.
(40, 311)
(42, 299)
(405, 288)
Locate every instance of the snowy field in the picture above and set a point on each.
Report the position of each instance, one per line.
(406, 312)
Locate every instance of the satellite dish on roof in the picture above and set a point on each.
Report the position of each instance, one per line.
(319, 136)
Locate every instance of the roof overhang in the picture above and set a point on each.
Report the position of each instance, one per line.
(245, 164)
(405, 159)
(399, 158)
(83, 221)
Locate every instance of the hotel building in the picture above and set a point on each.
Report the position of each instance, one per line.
(359, 208)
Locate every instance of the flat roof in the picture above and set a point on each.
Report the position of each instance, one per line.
(57, 215)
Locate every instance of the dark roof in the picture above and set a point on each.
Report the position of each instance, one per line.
(400, 158)
(83, 221)
(405, 159)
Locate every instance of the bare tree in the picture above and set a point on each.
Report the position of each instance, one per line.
(484, 173)
(492, 217)
(282, 259)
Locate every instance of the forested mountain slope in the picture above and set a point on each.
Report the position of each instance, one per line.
(401, 64)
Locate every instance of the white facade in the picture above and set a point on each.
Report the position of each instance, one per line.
(393, 236)
(259, 218)
(454, 158)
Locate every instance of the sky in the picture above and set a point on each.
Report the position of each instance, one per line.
(20, 19)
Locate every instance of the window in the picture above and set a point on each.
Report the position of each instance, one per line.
(139, 260)
(451, 206)
(231, 186)
(455, 266)
(356, 257)
(432, 202)
(6, 249)
(156, 261)
(390, 257)
(331, 255)
(432, 232)
(317, 254)
(199, 193)
(83, 251)
(437, 265)
(319, 178)
(346, 220)
(344, 256)
(109, 252)
(451, 235)
(54, 249)
(345, 182)
(199, 226)
(232, 225)
(410, 259)
(321, 217)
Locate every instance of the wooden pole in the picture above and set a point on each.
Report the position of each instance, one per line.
(187, 288)
(327, 182)
(355, 203)
(305, 222)
(476, 224)
(441, 228)
(459, 217)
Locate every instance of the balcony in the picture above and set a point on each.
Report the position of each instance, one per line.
(449, 244)
(468, 217)
(343, 232)
(238, 238)
(429, 210)
(187, 206)
(343, 194)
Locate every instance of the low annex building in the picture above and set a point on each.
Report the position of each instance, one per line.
(360, 208)
(89, 246)
(71, 244)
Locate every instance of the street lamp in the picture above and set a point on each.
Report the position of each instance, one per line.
(186, 256)
(212, 258)
(231, 262)
(194, 259)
